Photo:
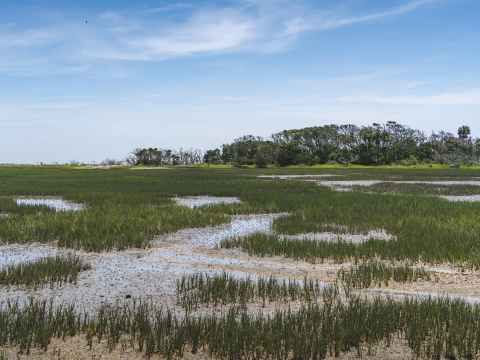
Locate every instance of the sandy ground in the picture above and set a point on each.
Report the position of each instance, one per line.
(379, 234)
(198, 201)
(294, 177)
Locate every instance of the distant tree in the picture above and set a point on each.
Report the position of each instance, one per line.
(464, 132)
(376, 144)
(213, 156)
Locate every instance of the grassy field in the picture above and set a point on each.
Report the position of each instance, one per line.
(128, 208)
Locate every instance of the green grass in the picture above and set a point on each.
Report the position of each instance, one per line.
(47, 271)
(111, 221)
(433, 328)
(374, 273)
(420, 189)
(200, 289)
(128, 208)
(307, 250)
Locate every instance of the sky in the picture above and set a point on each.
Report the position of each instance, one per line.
(89, 80)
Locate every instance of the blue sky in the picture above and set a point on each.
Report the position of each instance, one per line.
(94, 79)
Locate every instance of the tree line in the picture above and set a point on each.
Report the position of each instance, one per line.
(163, 157)
(377, 144)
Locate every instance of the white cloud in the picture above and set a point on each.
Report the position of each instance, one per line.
(401, 10)
(169, 8)
(208, 34)
(29, 38)
(468, 97)
(247, 25)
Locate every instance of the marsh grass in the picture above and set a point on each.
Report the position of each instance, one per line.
(433, 328)
(128, 208)
(35, 323)
(426, 229)
(375, 273)
(9, 206)
(202, 289)
(420, 189)
(47, 271)
(112, 221)
(307, 250)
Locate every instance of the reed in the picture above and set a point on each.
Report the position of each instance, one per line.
(432, 328)
(47, 271)
(375, 273)
(200, 289)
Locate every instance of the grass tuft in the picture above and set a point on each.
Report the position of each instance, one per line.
(195, 290)
(375, 273)
(51, 270)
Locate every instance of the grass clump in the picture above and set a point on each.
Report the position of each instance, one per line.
(112, 221)
(195, 290)
(377, 273)
(420, 189)
(35, 323)
(307, 250)
(51, 270)
(432, 328)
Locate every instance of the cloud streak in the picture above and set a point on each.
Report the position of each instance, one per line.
(254, 26)
(468, 97)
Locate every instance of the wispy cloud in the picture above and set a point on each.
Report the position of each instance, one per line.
(467, 97)
(319, 22)
(203, 34)
(169, 8)
(28, 38)
(245, 25)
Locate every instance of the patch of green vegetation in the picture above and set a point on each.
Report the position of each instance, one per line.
(111, 221)
(428, 229)
(51, 270)
(9, 207)
(200, 289)
(128, 208)
(420, 189)
(432, 328)
(312, 251)
(375, 273)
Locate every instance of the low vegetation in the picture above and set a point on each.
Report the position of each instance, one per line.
(313, 251)
(47, 271)
(420, 189)
(432, 328)
(201, 289)
(112, 221)
(375, 273)
(128, 208)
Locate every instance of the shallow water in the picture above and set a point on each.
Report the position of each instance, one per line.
(54, 203)
(198, 201)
